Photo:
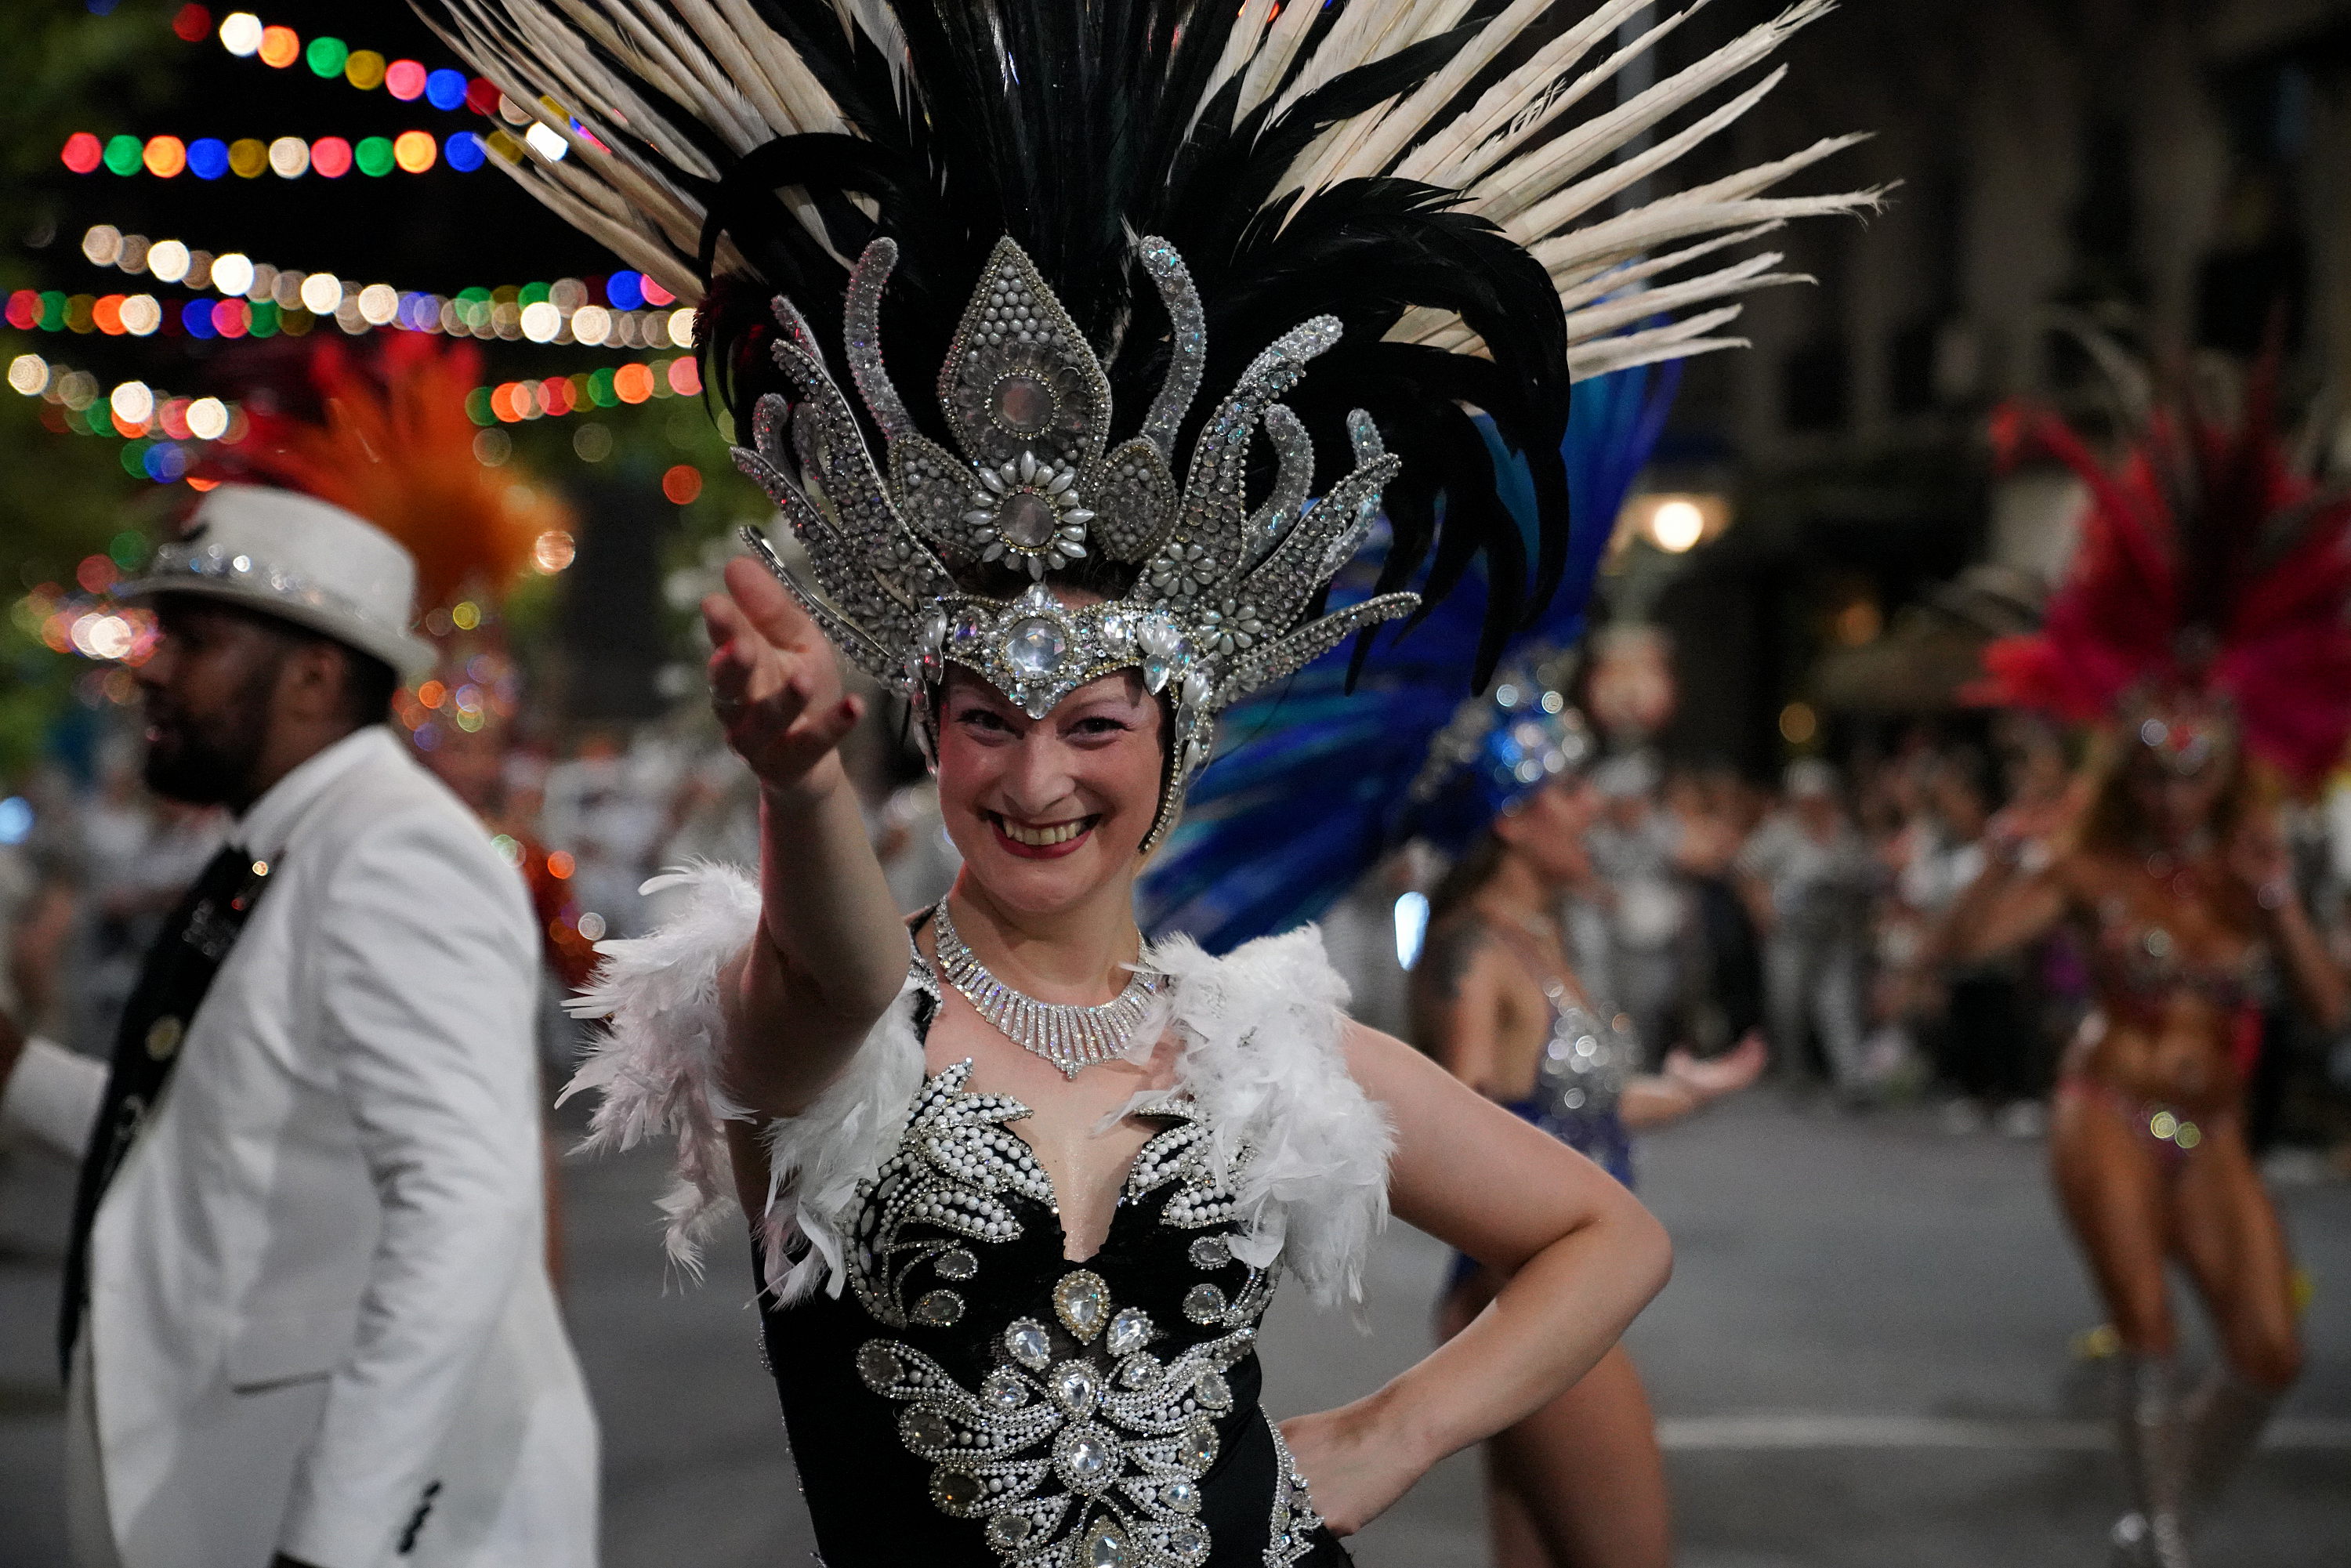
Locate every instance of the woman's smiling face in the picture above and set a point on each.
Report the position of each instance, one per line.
(1047, 810)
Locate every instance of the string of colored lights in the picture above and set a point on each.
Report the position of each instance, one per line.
(511, 402)
(157, 424)
(287, 157)
(243, 34)
(165, 432)
(598, 311)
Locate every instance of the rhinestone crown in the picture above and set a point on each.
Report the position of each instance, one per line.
(1220, 590)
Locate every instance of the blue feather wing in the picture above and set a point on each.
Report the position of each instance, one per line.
(1309, 788)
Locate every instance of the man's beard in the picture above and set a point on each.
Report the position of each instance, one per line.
(210, 764)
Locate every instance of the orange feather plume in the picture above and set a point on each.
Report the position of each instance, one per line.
(397, 448)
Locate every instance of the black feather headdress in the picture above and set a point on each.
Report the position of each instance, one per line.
(1441, 179)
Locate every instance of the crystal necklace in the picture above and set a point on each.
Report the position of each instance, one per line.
(1067, 1034)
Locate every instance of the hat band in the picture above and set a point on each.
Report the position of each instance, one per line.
(217, 564)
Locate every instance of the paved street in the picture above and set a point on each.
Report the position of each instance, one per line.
(1862, 1361)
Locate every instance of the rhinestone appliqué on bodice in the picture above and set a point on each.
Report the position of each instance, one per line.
(1086, 1443)
(954, 1169)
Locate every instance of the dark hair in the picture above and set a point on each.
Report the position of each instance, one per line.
(1462, 880)
(368, 686)
(367, 682)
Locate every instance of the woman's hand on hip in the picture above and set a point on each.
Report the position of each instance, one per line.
(775, 682)
(1355, 1463)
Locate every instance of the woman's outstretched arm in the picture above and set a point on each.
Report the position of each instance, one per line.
(830, 954)
(1581, 1254)
(2006, 907)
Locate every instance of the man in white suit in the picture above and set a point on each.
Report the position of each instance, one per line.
(307, 1320)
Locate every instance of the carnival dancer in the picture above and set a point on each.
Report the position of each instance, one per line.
(1023, 1190)
(2202, 630)
(1579, 1483)
(306, 1318)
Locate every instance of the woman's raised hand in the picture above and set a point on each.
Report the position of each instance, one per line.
(775, 682)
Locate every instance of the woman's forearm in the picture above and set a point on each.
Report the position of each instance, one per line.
(1653, 1100)
(1558, 1315)
(830, 954)
(2317, 983)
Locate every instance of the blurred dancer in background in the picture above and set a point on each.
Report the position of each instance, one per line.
(2203, 627)
(1580, 1483)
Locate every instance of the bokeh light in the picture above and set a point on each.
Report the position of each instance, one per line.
(331, 156)
(232, 273)
(554, 549)
(240, 33)
(682, 483)
(406, 80)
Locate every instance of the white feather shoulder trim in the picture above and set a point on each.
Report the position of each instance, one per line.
(656, 1059)
(1263, 1053)
(1260, 1051)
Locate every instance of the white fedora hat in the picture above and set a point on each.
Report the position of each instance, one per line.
(301, 560)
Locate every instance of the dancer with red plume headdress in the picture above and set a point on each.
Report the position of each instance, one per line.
(2202, 630)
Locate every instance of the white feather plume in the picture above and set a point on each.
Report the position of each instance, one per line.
(1514, 153)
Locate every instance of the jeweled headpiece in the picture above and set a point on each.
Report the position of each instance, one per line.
(1221, 592)
(1432, 196)
(2205, 607)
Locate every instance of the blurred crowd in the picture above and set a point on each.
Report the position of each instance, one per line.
(1715, 906)
(1816, 912)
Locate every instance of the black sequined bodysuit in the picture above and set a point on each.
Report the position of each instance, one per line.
(971, 1397)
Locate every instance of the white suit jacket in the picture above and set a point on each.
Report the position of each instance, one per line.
(320, 1320)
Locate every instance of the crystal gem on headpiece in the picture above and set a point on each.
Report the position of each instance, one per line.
(2184, 734)
(1219, 595)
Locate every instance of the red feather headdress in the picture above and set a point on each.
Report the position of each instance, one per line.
(2207, 568)
(395, 446)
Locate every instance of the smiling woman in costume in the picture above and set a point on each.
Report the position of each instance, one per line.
(2203, 627)
(1025, 1186)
